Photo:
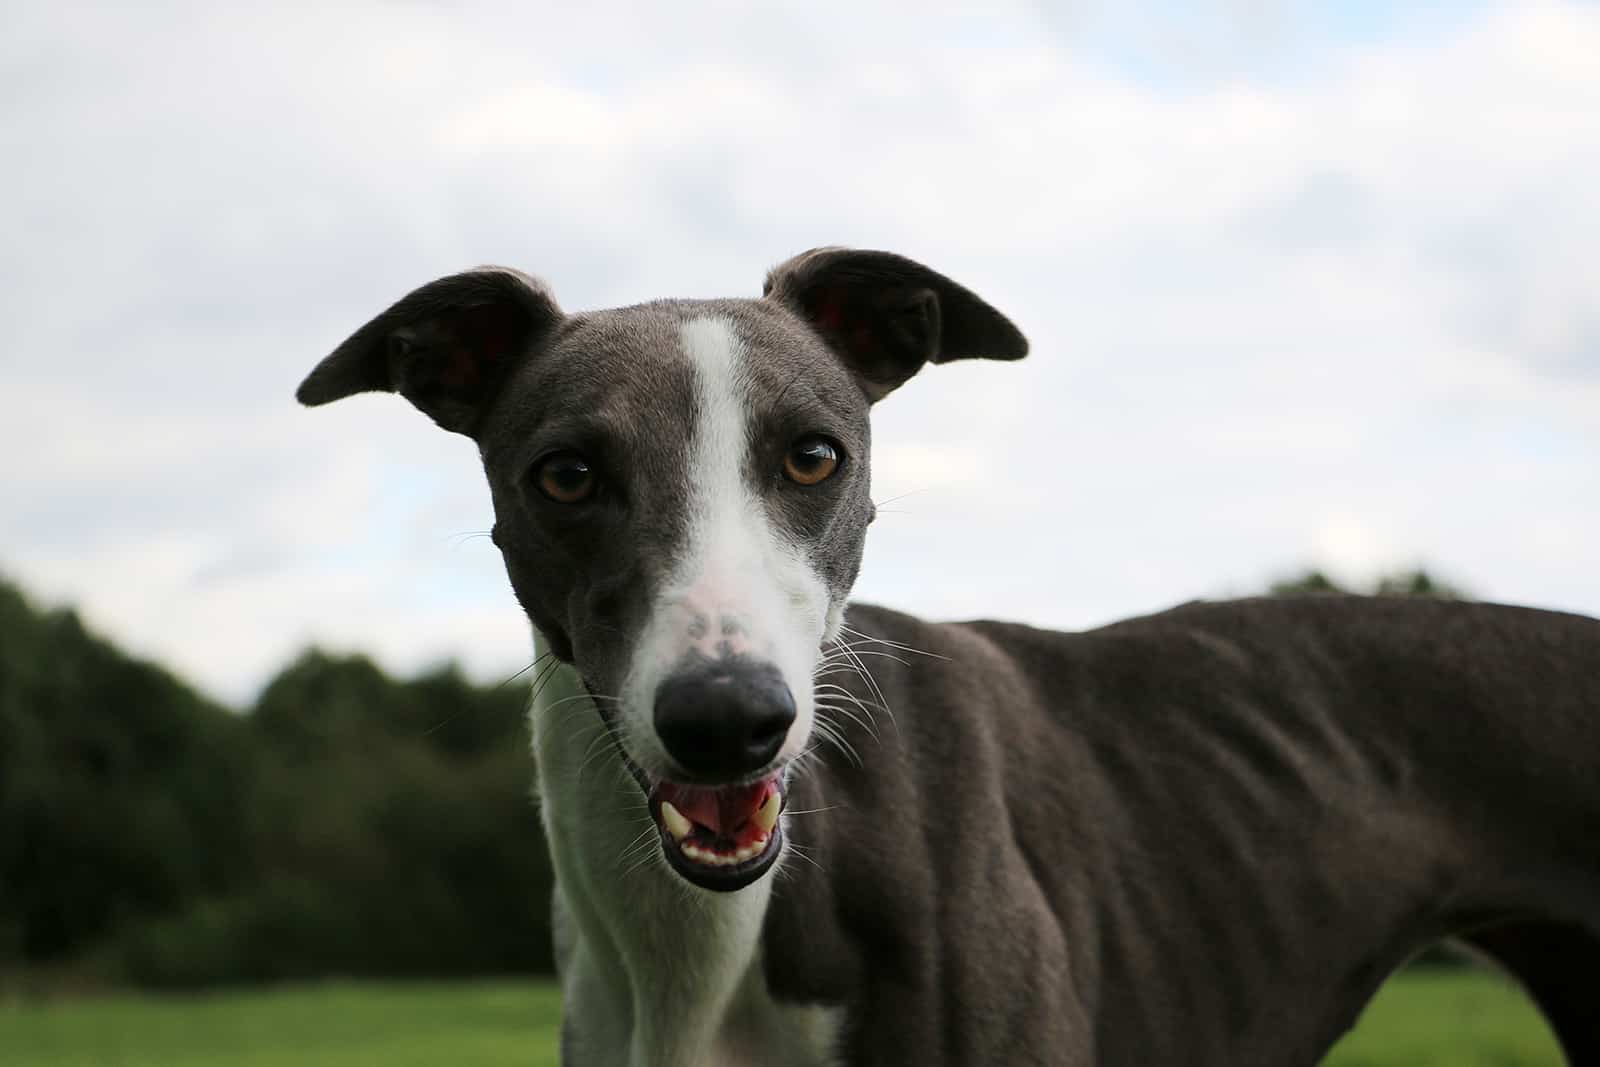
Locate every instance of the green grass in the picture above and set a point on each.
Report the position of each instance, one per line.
(1422, 1019)
(1450, 1018)
(464, 1024)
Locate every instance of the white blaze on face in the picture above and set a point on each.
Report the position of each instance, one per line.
(737, 587)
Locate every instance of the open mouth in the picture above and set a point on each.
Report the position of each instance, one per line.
(720, 837)
(716, 837)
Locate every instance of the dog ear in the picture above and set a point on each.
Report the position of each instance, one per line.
(886, 315)
(447, 347)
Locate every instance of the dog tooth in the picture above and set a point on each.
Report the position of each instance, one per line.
(766, 816)
(716, 858)
(676, 824)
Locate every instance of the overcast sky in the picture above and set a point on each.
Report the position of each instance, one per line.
(1303, 289)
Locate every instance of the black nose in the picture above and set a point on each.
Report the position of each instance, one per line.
(725, 718)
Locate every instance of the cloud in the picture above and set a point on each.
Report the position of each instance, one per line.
(1313, 292)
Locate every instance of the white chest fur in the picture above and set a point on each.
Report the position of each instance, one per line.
(654, 972)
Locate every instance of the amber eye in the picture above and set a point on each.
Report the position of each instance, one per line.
(566, 478)
(811, 460)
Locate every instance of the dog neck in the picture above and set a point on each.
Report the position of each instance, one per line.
(659, 971)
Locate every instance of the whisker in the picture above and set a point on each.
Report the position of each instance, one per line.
(441, 724)
(866, 724)
(866, 638)
(641, 842)
(872, 683)
(537, 661)
(832, 735)
(545, 676)
(901, 496)
(800, 851)
(866, 705)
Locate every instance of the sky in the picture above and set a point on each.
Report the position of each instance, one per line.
(1306, 285)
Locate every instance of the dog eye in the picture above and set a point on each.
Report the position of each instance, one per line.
(811, 460)
(565, 477)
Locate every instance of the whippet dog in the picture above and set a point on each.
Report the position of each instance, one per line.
(790, 832)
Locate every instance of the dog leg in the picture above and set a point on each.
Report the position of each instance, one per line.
(1559, 966)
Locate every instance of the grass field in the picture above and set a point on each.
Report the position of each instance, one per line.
(1422, 1019)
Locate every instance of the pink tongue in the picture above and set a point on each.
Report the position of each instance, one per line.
(722, 811)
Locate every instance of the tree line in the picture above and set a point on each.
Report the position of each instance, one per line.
(346, 823)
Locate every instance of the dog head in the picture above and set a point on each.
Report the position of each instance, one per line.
(681, 497)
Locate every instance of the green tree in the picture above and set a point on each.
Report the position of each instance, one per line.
(348, 823)
(123, 793)
(1416, 582)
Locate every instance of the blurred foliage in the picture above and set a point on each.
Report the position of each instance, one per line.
(122, 791)
(348, 823)
(1416, 582)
